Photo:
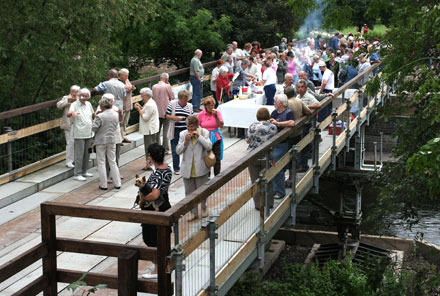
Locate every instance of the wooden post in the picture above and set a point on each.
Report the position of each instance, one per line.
(127, 272)
(48, 236)
(163, 250)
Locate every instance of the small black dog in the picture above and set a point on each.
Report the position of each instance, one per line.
(143, 204)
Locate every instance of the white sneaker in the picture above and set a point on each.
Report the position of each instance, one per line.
(70, 165)
(79, 178)
(87, 175)
(149, 276)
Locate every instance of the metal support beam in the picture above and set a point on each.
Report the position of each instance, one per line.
(267, 188)
(178, 255)
(292, 218)
(315, 158)
(212, 227)
(334, 152)
(347, 130)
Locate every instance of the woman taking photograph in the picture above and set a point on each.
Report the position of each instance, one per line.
(81, 112)
(107, 136)
(193, 143)
(158, 182)
(148, 120)
(212, 120)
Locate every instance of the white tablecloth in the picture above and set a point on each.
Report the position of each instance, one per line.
(241, 113)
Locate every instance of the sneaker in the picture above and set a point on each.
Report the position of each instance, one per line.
(176, 172)
(70, 165)
(278, 196)
(149, 276)
(87, 175)
(79, 178)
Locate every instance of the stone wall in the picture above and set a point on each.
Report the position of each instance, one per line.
(377, 125)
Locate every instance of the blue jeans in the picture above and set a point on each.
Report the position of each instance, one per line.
(214, 95)
(278, 182)
(269, 91)
(176, 157)
(197, 92)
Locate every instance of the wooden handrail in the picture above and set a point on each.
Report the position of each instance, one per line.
(35, 287)
(102, 248)
(105, 213)
(24, 260)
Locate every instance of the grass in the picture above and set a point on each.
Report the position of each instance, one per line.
(379, 29)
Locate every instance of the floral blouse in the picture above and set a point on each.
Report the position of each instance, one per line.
(258, 133)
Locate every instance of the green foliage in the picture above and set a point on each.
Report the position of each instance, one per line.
(259, 20)
(49, 45)
(81, 284)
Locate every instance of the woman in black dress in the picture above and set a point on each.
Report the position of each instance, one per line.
(158, 184)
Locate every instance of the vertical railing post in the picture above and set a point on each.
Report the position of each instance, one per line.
(178, 256)
(292, 219)
(267, 187)
(48, 236)
(10, 131)
(347, 131)
(315, 157)
(127, 272)
(163, 250)
(334, 117)
(263, 188)
(212, 228)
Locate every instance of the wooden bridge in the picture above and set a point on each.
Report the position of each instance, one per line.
(205, 257)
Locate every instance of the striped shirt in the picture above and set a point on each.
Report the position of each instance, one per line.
(181, 112)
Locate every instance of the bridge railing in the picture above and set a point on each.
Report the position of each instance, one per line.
(32, 140)
(215, 250)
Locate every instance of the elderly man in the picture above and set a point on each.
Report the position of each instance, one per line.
(281, 117)
(127, 106)
(115, 87)
(303, 75)
(66, 122)
(163, 95)
(228, 53)
(177, 112)
(238, 54)
(196, 72)
(241, 78)
(229, 64)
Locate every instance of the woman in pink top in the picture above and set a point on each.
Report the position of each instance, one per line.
(212, 120)
(292, 67)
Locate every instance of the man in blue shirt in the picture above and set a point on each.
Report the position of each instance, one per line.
(334, 42)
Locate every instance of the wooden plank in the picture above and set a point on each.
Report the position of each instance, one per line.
(102, 248)
(23, 171)
(303, 182)
(106, 213)
(231, 209)
(163, 250)
(324, 158)
(354, 97)
(28, 109)
(127, 272)
(93, 279)
(195, 241)
(28, 131)
(48, 236)
(276, 215)
(326, 122)
(280, 164)
(35, 287)
(305, 141)
(22, 261)
(341, 109)
(236, 260)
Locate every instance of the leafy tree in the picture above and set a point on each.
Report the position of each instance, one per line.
(411, 63)
(264, 21)
(173, 34)
(48, 45)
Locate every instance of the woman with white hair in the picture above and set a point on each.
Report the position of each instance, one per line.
(223, 84)
(107, 135)
(66, 123)
(81, 112)
(148, 120)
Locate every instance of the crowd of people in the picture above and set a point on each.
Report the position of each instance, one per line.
(294, 80)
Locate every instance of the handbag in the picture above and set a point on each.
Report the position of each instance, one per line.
(208, 156)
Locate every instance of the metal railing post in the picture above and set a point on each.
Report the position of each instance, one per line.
(212, 227)
(334, 116)
(261, 233)
(292, 219)
(267, 187)
(10, 131)
(178, 255)
(176, 233)
(315, 157)
(347, 130)
(381, 148)
(375, 156)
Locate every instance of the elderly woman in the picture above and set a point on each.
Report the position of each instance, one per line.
(177, 112)
(148, 120)
(81, 112)
(66, 123)
(193, 143)
(223, 85)
(258, 133)
(106, 130)
(214, 76)
(158, 182)
(282, 117)
(211, 119)
(282, 68)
